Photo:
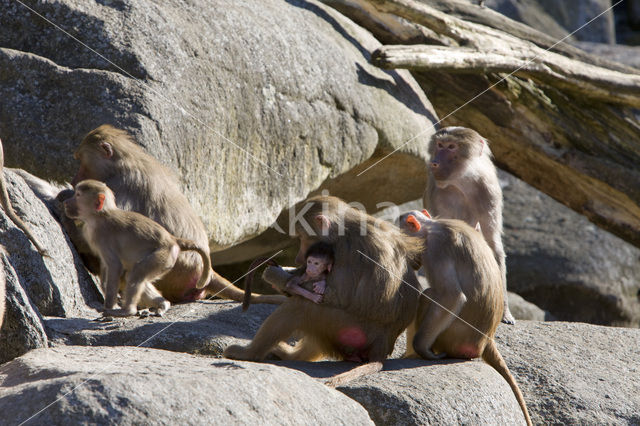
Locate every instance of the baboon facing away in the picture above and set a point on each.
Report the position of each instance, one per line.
(141, 184)
(374, 305)
(463, 184)
(459, 313)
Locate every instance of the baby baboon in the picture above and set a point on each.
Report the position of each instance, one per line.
(319, 261)
(463, 184)
(460, 311)
(134, 250)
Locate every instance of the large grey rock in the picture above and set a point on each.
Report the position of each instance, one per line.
(57, 285)
(103, 385)
(560, 18)
(254, 107)
(574, 373)
(628, 55)
(22, 329)
(410, 391)
(564, 264)
(418, 392)
(204, 327)
(523, 310)
(569, 373)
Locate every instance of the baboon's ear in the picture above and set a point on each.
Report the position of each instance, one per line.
(100, 202)
(107, 149)
(323, 223)
(478, 228)
(413, 223)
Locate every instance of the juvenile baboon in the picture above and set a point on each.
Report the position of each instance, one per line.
(463, 184)
(460, 311)
(134, 250)
(8, 208)
(373, 305)
(141, 184)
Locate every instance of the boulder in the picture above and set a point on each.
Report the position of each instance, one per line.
(104, 385)
(628, 55)
(568, 373)
(22, 328)
(254, 108)
(203, 327)
(564, 264)
(523, 310)
(57, 285)
(418, 392)
(561, 18)
(572, 373)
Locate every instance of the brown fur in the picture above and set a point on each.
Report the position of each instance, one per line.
(134, 250)
(464, 278)
(372, 301)
(141, 184)
(8, 208)
(463, 184)
(3, 286)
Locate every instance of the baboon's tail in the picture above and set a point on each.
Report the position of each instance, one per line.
(8, 209)
(188, 245)
(494, 359)
(248, 281)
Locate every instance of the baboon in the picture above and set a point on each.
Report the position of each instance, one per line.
(8, 208)
(463, 184)
(134, 250)
(319, 261)
(141, 184)
(459, 313)
(373, 305)
(3, 286)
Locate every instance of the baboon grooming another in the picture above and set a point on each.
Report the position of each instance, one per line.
(460, 311)
(463, 184)
(373, 304)
(8, 208)
(134, 250)
(141, 184)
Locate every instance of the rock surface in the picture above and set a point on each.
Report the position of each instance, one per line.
(564, 264)
(573, 373)
(523, 310)
(628, 55)
(253, 107)
(561, 18)
(57, 285)
(419, 392)
(101, 385)
(568, 372)
(204, 327)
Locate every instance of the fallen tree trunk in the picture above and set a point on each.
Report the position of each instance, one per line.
(549, 68)
(554, 117)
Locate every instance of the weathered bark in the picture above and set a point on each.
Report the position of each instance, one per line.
(564, 125)
(547, 68)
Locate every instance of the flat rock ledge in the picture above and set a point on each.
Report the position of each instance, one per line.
(128, 385)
